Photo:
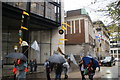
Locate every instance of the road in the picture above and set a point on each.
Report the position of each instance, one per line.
(106, 72)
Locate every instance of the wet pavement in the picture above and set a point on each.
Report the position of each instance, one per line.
(106, 73)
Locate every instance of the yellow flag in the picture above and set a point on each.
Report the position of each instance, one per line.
(60, 43)
(66, 24)
(24, 28)
(25, 13)
(20, 41)
(63, 27)
(63, 39)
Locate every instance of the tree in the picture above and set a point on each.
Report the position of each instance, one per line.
(113, 10)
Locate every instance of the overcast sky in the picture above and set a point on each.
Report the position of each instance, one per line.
(91, 7)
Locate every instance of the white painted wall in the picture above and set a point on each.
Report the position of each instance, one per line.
(56, 36)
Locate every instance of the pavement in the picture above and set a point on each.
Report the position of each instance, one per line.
(106, 73)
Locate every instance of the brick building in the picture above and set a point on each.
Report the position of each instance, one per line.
(80, 35)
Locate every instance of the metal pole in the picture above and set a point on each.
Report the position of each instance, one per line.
(26, 32)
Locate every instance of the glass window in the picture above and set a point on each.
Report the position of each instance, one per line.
(115, 51)
(111, 51)
(118, 51)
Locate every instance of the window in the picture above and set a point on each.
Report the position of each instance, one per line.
(118, 51)
(111, 51)
(115, 51)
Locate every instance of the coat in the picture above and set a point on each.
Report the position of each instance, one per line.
(21, 71)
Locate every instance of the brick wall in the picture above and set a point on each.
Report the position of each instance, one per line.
(76, 38)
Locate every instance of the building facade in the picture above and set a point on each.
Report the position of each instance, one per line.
(43, 25)
(102, 40)
(80, 35)
(114, 48)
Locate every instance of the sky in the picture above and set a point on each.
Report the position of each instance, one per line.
(91, 7)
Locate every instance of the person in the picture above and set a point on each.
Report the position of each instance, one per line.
(35, 65)
(58, 70)
(31, 65)
(48, 69)
(69, 61)
(65, 69)
(81, 66)
(22, 68)
(91, 69)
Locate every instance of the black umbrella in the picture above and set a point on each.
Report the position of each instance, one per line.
(17, 56)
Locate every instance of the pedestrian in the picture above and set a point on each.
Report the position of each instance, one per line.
(31, 63)
(65, 69)
(20, 69)
(91, 69)
(81, 67)
(69, 61)
(35, 65)
(48, 69)
(58, 70)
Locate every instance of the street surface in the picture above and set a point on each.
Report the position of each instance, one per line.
(106, 73)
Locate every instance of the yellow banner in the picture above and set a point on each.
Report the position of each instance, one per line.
(63, 39)
(24, 28)
(25, 13)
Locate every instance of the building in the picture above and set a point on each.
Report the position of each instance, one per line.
(102, 40)
(114, 47)
(80, 35)
(43, 23)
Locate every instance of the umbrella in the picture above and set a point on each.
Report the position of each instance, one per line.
(96, 63)
(56, 58)
(87, 61)
(17, 56)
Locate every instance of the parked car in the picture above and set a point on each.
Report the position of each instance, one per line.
(117, 59)
(108, 61)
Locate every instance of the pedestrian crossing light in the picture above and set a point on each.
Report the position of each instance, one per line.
(61, 31)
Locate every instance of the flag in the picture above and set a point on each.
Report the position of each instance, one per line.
(60, 43)
(63, 39)
(73, 59)
(25, 13)
(24, 43)
(63, 27)
(35, 46)
(20, 40)
(24, 28)
(66, 24)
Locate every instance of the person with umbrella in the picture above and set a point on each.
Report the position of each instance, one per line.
(58, 61)
(90, 65)
(20, 65)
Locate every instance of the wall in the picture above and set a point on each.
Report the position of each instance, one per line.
(56, 36)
